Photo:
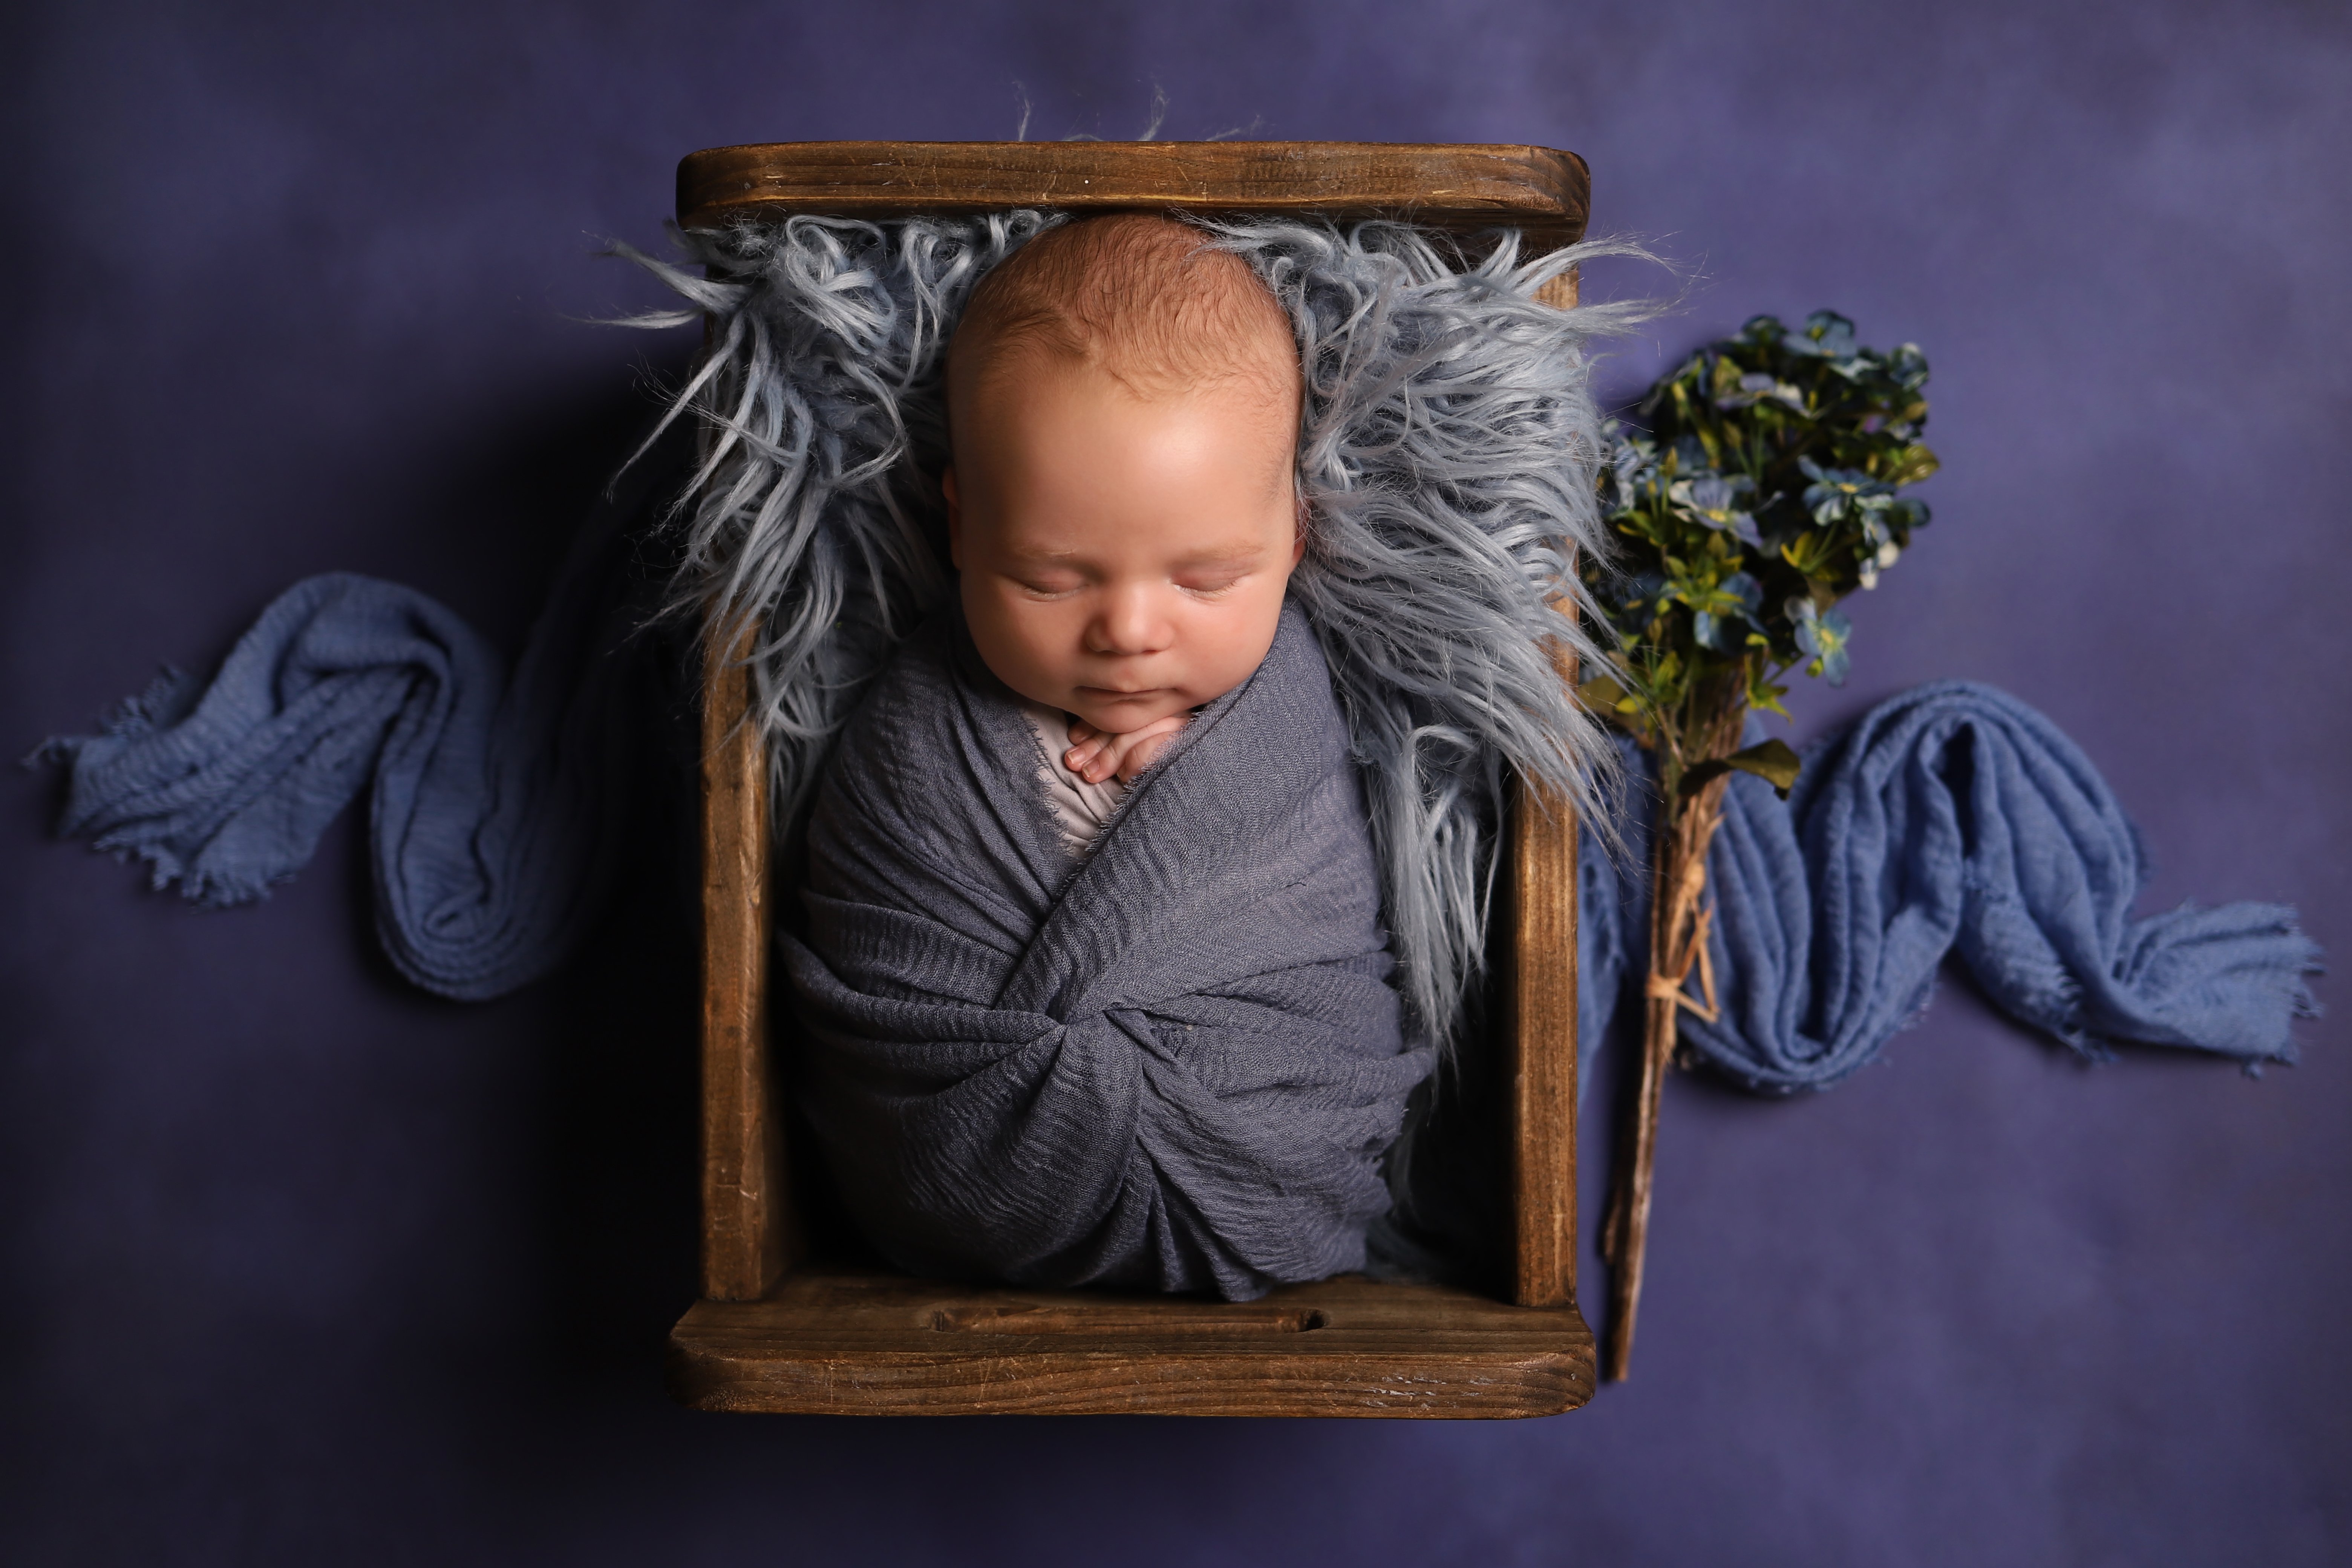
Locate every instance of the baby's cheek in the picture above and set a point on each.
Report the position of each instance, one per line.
(1240, 645)
(1027, 638)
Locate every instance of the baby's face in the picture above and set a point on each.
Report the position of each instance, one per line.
(1122, 559)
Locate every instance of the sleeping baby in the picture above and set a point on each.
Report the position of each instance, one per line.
(1092, 977)
(1120, 506)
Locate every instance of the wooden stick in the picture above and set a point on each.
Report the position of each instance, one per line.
(1679, 927)
(1625, 1235)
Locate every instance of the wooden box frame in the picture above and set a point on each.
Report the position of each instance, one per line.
(778, 1331)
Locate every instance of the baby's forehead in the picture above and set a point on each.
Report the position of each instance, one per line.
(1028, 376)
(1060, 414)
(1151, 302)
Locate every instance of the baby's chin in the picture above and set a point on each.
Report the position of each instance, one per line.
(1116, 716)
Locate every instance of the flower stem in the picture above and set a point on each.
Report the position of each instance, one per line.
(1679, 923)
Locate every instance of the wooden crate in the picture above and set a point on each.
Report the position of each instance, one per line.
(778, 1330)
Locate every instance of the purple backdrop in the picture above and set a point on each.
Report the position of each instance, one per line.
(302, 1266)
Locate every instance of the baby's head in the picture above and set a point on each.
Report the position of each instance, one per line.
(1123, 405)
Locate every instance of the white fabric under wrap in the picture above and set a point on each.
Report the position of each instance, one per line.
(1080, 809)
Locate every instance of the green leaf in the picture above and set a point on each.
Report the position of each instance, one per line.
(1771, 761)
(1911, 465)
(1808, 552)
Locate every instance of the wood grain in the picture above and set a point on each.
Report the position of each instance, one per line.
(746, 1226)
(1459, 188)
(850, 1342)
(1542, 1029)
(1540, 1023)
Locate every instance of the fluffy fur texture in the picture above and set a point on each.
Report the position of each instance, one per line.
(1447, 447)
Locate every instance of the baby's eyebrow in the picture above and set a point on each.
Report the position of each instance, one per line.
(1233, 554)
(1222, 554)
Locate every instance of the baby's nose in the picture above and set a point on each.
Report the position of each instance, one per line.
(1130, 622)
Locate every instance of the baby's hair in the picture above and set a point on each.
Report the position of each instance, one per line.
(1148, 300)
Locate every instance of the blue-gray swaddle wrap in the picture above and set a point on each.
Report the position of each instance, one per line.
(1175, 1065)
(1950, 819)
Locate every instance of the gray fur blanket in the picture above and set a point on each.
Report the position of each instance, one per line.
(1173, 1066)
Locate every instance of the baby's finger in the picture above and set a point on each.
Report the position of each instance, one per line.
(1111, 760)
(1147, 746)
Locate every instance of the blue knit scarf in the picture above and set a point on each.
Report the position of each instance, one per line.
(1949, 819)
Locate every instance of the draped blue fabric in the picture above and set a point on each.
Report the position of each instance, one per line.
(1952, 818)
(487, 796)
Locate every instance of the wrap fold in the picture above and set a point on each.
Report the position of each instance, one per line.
(1175, 1065)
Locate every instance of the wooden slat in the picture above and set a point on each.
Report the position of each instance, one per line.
(1541, 1023)
(845, 1341)
(1543, 1046)
(1462, 188)
(746, 1218)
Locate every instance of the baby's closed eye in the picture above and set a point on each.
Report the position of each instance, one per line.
(1048, 585)
(1217, 575)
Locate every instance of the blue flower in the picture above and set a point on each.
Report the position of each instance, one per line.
(1822, 634)
(1827, 335)
(1632, 462)
(1642, 600)
(1715, 501)
(1715, 610)
(1835, 492)
(1755, 388)
(1882, 513)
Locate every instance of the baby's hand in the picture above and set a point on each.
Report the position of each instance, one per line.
(1095, 756)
